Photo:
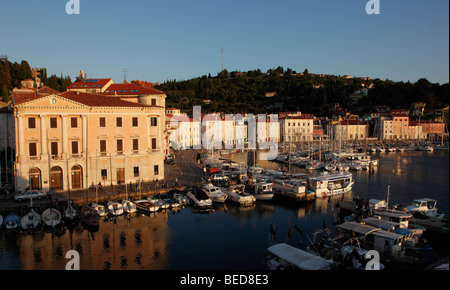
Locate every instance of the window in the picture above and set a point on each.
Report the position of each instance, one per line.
(54, 149)
(135, 122)
(53, 123)
(153, 102)
(104, 174)
(119, 122)
(135, 145)
(75, 148)
(153, 143)
(119, 143)
(31, 123)
(32, 149)
(154, 121)
(73, 122)
(102, 147)
(102, 122)
(136, 171)
(156, 170)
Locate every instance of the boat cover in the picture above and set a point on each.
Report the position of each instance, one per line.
(301, 259)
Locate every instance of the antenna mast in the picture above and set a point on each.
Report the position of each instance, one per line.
(124, 75)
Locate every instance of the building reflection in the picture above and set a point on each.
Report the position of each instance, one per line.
(136, 243)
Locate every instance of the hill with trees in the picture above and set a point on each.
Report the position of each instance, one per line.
(11, 74)
(286, 90)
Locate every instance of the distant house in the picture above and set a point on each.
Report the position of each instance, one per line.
(207, 101)
(270, 94)
(417, 108)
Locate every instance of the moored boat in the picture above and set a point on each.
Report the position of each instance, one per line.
(51, 217)
(261, 190)
(12, 221)
(199, 199)
(215, 193)
(129, 206)
(30, 221)
(146, 206)
(238, 194)
(288, 257)
(330, 184)
(89, 216)
(99, 208)
(115, 208)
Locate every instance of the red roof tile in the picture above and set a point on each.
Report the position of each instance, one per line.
(97, 100)
(130, 89)
(89, 83)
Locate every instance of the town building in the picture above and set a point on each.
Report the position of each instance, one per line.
(296, 128)
(350, 130)
(75, 139)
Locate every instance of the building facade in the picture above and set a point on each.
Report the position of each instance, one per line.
(73, 140)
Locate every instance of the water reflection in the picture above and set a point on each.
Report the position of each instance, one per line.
(230, 237)
(108, 248)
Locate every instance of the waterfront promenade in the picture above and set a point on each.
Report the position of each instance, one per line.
(185, 170)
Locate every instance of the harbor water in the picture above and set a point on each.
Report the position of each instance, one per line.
(230, 237)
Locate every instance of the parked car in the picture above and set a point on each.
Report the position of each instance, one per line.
(36, 194)
(219, 177)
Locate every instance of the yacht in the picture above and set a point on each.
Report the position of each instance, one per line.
(261, 190)
(215, 193)
(330, 184)
(238, 194)
(199, 199)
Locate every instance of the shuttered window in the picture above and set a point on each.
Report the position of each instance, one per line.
(102, 122)
(54, 148)
(31, 123)
(73, 122)
(119, 145)
(74, 147)
(32, 149)
(53, 123)
(102, 146)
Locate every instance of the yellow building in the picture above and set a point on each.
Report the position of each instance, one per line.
(74, 139)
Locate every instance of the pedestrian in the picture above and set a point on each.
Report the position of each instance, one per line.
(131, 186)
(176, 181)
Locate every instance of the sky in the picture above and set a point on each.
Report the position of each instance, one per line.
(157, 41)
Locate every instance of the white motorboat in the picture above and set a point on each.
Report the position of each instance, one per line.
(199, 199)
(355, 166)
(99, 208)
(426, 206)
(181, 198)
(146, 206)
(330, 184)
(215, 193)
(330, 167)
(30, 221)
(238, 194)
(425, 148)
(162, 204)
(115, 208)
(12, 221)
(51, 217)
(287, 257)
(129, 206)
(261, 190)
